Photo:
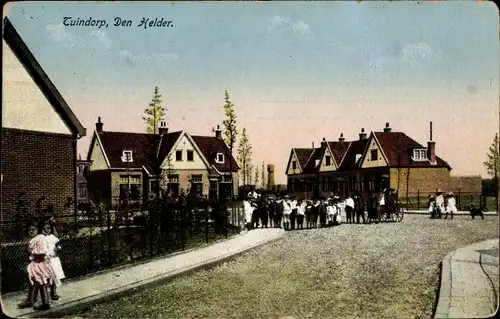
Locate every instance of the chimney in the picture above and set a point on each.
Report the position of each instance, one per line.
(323, 143)
(99, 125)
(163, 129)
(341, 138)
(218, 133)
(312, 144)
(387, 128)
(431, 148)
(362, 135)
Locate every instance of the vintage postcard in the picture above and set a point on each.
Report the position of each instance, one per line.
(251, 159)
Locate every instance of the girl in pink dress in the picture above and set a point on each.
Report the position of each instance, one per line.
(40, 273)
(53, 247)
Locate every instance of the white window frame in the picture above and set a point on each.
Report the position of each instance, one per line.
(419, 154)
(124, 158)
(199, 181)
(217, 160)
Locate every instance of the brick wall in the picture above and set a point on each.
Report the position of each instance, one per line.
(466, 184)
(424, 179)
(40, 164)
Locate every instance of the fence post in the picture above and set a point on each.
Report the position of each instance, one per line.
(472, 199)
(238, 214)
(459, 201)
(206, 223)
(418, 199)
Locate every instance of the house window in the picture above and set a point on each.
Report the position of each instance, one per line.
(173, 184)
(82, 191)
(357, 157)
(130, 179)
(173, 178)
(178, 156)
(197, 178)
(420, 154)
(226, 178)
(127, 156)
(197, 182)
(328, 161)
(374, 155)
(294, 165)
(130, 191)
(220, 158)
(316, 163)
(190, 156)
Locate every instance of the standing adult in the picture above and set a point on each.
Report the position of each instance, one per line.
(278, 212)
(323, 212)
(349, 209)
(301, 208)
(287, 211)
(359, 205)
(372, 208)
(293, 214)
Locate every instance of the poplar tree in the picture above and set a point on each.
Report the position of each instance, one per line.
(230, 132)
(245, 156)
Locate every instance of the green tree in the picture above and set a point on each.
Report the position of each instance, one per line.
(245, 156)
(263, 175)
(493, 162)
(230, 132)
(155, 113)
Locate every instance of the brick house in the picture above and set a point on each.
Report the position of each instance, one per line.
(132, 165)
(370, 163)
(39, 135)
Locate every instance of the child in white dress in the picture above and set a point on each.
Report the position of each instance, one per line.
(53, 248)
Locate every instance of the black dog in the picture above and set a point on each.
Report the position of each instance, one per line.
(476, 212)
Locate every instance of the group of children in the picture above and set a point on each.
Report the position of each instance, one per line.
(440, 204)
(44, 268)
(293, 213)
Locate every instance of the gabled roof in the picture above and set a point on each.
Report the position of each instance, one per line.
(303, 155)
(338, 150)
(311, 167)
(398, 148)
(143, 146)
(355, 147)
(210, 146)
(31, 65)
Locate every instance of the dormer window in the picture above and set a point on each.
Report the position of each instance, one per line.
(219, 158)
(316, 163)
(357, 158)
(328, 161)
(127, 157)
(420, 154)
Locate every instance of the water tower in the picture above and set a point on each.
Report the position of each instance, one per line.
(270, 176)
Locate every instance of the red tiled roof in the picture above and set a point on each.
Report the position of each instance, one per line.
(311, 166)
(356, 147)
(303, 155)
(143, 147)
(210, 146)
(398, 148)
(338, 150)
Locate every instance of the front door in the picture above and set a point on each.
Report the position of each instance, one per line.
(213, 191)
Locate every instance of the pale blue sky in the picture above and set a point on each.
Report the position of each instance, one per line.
(320, 68)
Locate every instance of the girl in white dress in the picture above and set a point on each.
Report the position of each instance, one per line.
(53, 248)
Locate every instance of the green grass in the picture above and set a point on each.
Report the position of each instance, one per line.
(388, 270)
